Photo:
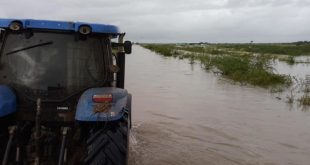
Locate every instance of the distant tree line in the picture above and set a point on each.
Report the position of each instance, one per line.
(302, 42)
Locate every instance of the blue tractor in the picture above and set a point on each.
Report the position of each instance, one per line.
(62, 96)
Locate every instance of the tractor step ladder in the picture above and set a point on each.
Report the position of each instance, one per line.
(63, 150)
(12, 131)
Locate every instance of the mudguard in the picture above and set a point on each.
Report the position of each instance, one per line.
(7, 101)
(86, 108)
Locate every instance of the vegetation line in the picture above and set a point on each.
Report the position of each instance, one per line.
(244, 63)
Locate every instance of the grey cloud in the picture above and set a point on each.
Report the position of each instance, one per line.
(180, 20)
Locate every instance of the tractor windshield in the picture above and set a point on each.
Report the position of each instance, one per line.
(53, 65)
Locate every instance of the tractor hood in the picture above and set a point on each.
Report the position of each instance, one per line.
(7, 101)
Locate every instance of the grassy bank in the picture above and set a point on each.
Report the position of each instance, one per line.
(246, 70)
(233, 63)
(163, 49)
(280, 49)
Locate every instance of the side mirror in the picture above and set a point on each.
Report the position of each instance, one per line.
(127, 47)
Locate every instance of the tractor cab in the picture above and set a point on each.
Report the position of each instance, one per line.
(54, 64)
(57, 76)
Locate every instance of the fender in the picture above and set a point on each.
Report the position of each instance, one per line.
(86, 108)
(7, 101)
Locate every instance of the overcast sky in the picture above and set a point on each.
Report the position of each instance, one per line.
(179, 20)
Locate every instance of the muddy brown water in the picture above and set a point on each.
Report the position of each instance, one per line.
(184, 115)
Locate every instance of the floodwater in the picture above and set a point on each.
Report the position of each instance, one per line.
(300, 70)
(300, 73)
(185, 115)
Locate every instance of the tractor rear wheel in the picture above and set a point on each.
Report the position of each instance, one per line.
(108, 146)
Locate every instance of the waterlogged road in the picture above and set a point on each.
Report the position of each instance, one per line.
(184, 115)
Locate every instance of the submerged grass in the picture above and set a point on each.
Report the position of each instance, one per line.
(238, 66)
(290, 60)
(305, 100)
(249, 71)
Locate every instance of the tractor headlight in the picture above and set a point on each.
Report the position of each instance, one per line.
(84, 29)
(15, 26)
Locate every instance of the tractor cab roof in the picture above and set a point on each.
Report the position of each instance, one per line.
(60, 25)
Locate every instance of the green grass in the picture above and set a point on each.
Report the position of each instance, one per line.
(282, 49)
(291, 60)
(248, 71)
(164, 49)
(234, 65)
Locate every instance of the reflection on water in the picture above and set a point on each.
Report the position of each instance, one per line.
(184, 115)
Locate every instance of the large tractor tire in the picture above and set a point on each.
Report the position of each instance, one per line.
(108, 146)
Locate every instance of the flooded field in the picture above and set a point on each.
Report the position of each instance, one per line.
(185, 115)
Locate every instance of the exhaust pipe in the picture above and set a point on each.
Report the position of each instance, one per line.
(120, 78)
